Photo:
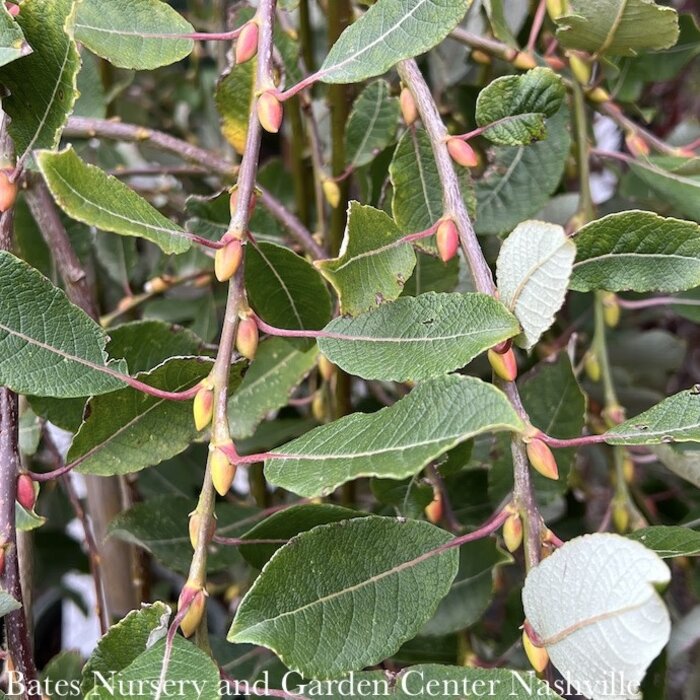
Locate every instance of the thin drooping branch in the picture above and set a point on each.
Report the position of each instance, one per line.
(86, 127)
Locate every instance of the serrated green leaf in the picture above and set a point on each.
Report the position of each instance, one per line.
(669, 541)
(12, 43)
(520, 179)
(285, 289)
(138, 34)
(160, 526)
(43, 85)
(49, 347)
(7, 603)
(675, 419)
(374, 264)
(390, 31)
(190, 670)
(533, 271)
(517, 105)
(620, 622)
(675, 187)
(88, 194)
(471, 590)
(417, 202)
(371, 126)
(125, 641)
(326, 604)
(617, 27)
(127, 430)
(278, 368)
(638, 251)
(417, 337)
(234, 95)
(288, 523)
(395, 442)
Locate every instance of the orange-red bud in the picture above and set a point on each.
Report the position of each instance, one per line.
(270, 112)
(434, 509)
(8, 191)
(197, 522)
(247, 43)
(555, 63)
(504, 364)
(26, 495)
(462, 153)
(513, 532)
(636, 144)
(222, 471)
(247, 337)
(193, 598)
(542, 459)
(409, 111)
(228, 259)
(203, 407)
(447, 239)
(537, 656)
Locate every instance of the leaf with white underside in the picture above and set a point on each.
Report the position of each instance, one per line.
(675, 419)
(88, 194)
(516, 106)
(371, 126)
(12, 42)
(618, 623)
(42, 85)
(138, 34)
(127, 430)
(48, 347)
(417, 337)
(395, 442)
(278, 368)
(637, 251)
(617, 27)
(326, 603)
(374, 263)
(390, 31)
(7, 603)
(669, 541)
(533, 271)
(417, 202)
(683, 460)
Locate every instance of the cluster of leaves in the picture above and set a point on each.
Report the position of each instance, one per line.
(372, 399)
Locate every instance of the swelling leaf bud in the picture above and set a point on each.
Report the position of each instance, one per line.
(247, 337)
(197, 522)
(270, 112)
(193, 599)
(580, 69)
(592, 366)
(611, 310)
(222, 471)
(513, 532)
(447, 240)
(203, 407)
(331, 192)
(326, 368)
(434, 509)
(26, 493)
(542, 459)
(504, 364)
(537, 656)
(228, 259)
(409, 111)
(462, 153)
(8, 190)
(247, 43)
(524, 61)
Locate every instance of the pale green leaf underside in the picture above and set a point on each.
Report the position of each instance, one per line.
(327, 603)
(371, 126)
(88, 194)
(12, 43)
(373, 266)
(139, 34)
(618, 27)
(669, 541)
(618, 623)
(533, 271)
(48, 347)
(637, 251)
(42, 85)
(395, 442)
(7, 603)
(278, 368)
(127, 430)
(417, 337)
(521, 103)
(675, 419)
(390, 31)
